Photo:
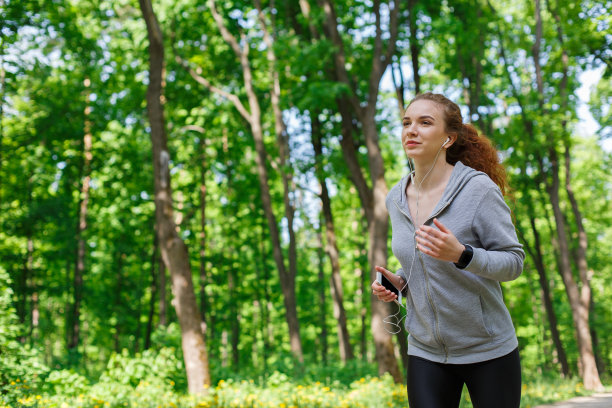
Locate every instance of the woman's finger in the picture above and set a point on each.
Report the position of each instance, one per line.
(391, 277)
(441, 226)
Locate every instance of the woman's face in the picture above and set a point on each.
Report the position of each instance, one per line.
(424, 130)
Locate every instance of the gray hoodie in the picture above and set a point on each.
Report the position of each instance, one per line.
(458, 315)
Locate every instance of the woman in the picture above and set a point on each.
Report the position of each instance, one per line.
(454, 238)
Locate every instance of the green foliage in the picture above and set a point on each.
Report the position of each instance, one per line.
(22, 371)
(8, 319)
(65, 382)
(48, 50)
(157, 368)
(280, 391)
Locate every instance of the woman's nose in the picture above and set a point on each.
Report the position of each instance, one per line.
(411, 129)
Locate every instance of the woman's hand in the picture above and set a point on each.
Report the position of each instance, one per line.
(380, 291)
(439, 243)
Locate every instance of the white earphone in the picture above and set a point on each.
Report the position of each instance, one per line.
(446, 141)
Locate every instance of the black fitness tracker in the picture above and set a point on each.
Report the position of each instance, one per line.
(465, 257)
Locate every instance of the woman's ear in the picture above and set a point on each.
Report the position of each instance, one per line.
(450, 140)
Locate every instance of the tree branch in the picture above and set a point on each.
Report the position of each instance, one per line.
(227, 36)
(196, 75)
(243, 55)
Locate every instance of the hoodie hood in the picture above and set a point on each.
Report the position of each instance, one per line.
(459, 178)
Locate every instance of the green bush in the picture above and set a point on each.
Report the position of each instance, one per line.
(22, 372)
(156, 367)
(65, 382)
(279, 392)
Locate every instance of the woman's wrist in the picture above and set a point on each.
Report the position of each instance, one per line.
(402, 287)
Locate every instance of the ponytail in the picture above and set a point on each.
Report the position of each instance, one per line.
(478, 152)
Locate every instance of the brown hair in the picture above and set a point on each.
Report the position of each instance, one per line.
(470, 148)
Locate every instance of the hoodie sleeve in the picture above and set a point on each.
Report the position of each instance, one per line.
(498, 254)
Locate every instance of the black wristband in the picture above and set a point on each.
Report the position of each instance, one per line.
(465, 257)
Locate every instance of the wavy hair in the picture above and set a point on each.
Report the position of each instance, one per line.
(472, 149)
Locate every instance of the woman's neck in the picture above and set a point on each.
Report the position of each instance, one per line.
(431, 175)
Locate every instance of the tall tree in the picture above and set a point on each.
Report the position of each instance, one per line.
(173, 249)
(331, 248)
(253, 116)
(372, 198)
(286, 173)
(316, 138)
(588, 363)
(529, 187)
(579, 298)
(79, 267)
(202, 234)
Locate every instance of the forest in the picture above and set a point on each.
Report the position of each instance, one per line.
(192, 193)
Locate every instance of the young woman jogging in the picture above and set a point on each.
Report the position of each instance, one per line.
(453, 235)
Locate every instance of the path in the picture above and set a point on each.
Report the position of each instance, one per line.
(603, 400)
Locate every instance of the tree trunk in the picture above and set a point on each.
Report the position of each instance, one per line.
(601, 365)
(173, 249)
(402, 335)
(362, 276)
(587, 366)
(2, 96)
(32, 288)
(79, 269)
(266, 327)
(235, 315)
(117, 301)
(26, 278)
(153, 289)
(323, 303)
(233, 292)
(262, 296)
(469, 57)
(402, 341)
(346, 350)
(163, 291)
(538, 259)
(399, 86)
(203, 271)
(414, 47)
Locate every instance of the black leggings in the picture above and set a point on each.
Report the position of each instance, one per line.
(492, 384)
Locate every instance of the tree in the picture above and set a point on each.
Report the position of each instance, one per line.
(372, 198)
(253, 117)
(173, 249)
(579, 297)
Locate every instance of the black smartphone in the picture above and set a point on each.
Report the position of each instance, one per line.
(380, 278)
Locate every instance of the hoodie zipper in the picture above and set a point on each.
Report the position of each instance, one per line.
(427, 285)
